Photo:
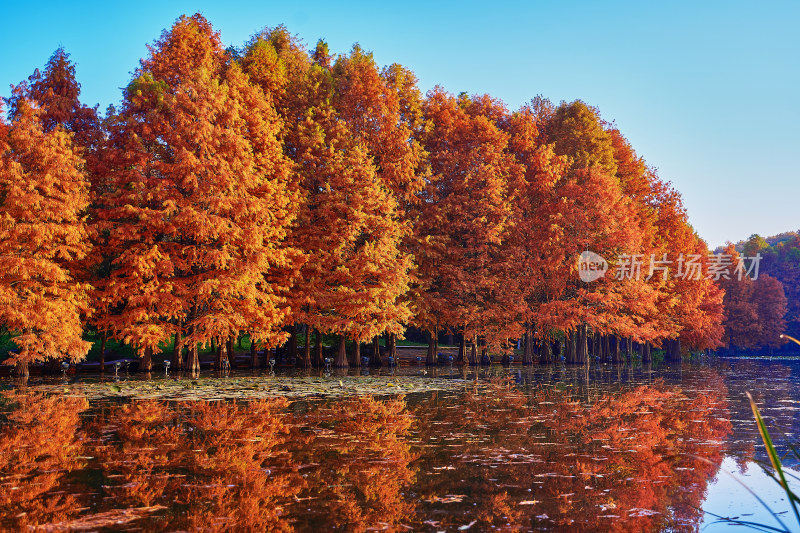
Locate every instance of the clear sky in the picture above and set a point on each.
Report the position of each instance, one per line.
(708, 92)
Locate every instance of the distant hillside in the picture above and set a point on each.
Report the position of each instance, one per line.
(780, 259)
(772, 241)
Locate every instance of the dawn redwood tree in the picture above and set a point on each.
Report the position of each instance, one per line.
(589, 210)
(742, 326)
(577, 131)
(464, 219)
(44, 196)
(201, 205)
(781, 260)
(383, 109)
(691, 303)
(534, 207)
(56, 94)
(771, 306)
(699, 310)
(687, 306)
(348, 225)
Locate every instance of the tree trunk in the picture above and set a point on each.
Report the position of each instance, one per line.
(673, 350)
(462, 350)
(293, 343)
(431, 359)
(305, 361)
(146, 365)
(217, 354)
(616, 357)
(103, 339)
(223, 353)
(22, 369)
(317, 361)
(177, 356)
(646, 356)
(582, 350)
(393, 346)
(193, 363)
(355, 359)
(527, 350)
(253, 353)
(231, 353)
(578, 347)
(473, 352)
(375, 356)
(546, 355)
(341, 355)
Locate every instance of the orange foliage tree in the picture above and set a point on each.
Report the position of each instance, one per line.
(464, 220)
(201, 204)
(43, 235)
(348, 224)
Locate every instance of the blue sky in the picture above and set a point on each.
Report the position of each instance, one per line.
(707, 92)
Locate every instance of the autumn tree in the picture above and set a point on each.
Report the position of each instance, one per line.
(688, 304)
(201, 205)
(348, 225)
(588, 210)
(56, 93)
(464, 219)
(383, 109)
(540, 279)
(43, 235)
(771, 306)
(742, 327)
(781, 260)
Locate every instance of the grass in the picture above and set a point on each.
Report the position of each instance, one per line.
(779, 475)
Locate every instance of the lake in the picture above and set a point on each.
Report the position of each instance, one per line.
(544, 448)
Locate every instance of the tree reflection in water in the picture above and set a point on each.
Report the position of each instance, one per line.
(40, 444)
(502, 456)
(631, 461)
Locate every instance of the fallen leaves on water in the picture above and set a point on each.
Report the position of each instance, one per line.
(114, 517)
(254, 387)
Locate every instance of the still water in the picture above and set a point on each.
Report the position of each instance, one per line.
(605, 448)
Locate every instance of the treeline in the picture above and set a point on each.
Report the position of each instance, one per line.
(758, 312)
(247, 191)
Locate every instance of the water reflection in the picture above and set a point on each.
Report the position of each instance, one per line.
(637, 460)
(607, 449)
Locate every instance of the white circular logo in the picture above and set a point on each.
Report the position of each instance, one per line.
(591, 266)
